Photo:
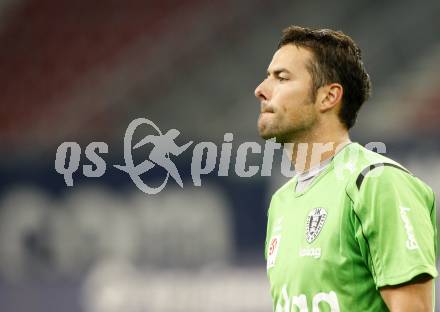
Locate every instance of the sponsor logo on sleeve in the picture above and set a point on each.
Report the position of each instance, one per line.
(272, 252)
(411, 242)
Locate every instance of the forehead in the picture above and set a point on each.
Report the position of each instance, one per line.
(290, 57)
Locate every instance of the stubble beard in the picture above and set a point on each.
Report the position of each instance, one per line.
(292, 134)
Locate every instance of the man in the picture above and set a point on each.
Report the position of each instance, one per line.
(353, 230)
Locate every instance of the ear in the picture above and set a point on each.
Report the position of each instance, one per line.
(329, 96)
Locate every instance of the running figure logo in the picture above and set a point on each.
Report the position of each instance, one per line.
(163, 146)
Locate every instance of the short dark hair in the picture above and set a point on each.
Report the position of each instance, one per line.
(338, 59)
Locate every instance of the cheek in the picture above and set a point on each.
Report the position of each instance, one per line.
(283, 100)
(289, 90)
(295, 108)
(287, 100)
(292, 95)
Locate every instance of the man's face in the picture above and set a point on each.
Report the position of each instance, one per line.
(287, 111)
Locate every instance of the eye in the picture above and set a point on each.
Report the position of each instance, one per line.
(282, 78)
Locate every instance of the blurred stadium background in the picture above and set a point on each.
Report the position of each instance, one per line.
(83, 70)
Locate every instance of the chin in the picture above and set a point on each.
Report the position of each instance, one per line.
(264, 130)
(279, 138)
(266, 135)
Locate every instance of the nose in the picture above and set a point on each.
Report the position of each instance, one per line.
(260, 91)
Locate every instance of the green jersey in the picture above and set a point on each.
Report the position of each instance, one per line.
(365, 222)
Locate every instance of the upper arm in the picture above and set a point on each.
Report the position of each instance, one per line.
(413, 296)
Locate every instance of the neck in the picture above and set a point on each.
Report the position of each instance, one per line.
(311, 150)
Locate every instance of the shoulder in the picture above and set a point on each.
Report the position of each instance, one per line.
(355, 159)
(377, 175)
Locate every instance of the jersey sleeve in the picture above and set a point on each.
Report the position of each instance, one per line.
(268, 229)
(396, 215)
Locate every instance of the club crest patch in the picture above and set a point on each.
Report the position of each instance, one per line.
(314, 223)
